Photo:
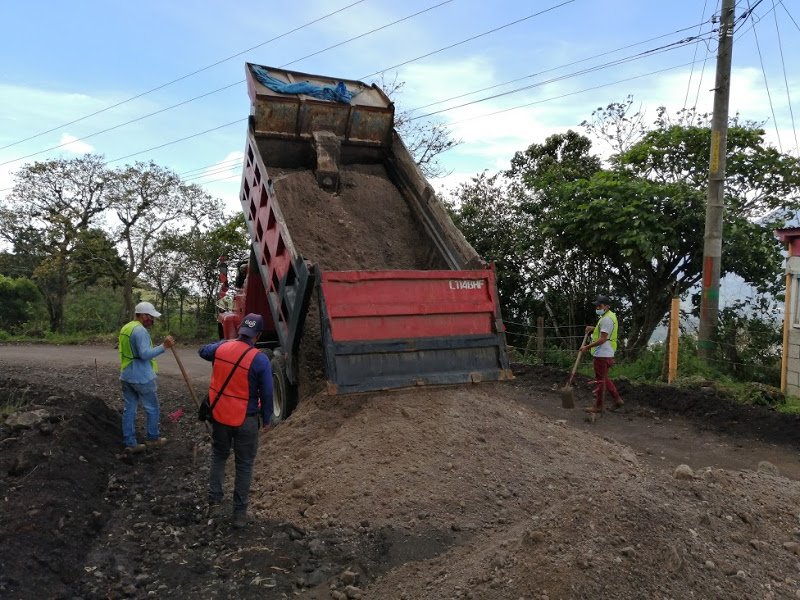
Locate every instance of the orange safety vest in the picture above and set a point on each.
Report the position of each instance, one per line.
(231, 408)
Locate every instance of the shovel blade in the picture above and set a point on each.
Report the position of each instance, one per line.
(567, 398)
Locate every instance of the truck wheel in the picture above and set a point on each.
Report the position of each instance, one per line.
(284, 394)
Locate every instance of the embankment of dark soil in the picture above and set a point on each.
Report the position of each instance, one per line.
(707, 408)
(53, 478)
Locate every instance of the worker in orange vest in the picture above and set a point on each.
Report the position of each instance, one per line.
(240, 398)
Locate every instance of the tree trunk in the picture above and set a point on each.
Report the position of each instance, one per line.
(127, 296)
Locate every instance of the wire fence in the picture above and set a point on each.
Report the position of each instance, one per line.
(557, 347)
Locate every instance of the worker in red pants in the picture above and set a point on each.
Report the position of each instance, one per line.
(603, 346)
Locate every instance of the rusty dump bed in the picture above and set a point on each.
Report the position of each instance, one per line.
(379, 327)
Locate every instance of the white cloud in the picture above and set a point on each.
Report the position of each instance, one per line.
(222, 179)
(71, 143)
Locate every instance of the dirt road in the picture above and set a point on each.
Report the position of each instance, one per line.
(487, 491)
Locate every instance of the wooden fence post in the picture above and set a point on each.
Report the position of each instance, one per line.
(674, 317)
(540, 337)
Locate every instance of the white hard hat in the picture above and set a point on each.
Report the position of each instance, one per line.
(145, 308)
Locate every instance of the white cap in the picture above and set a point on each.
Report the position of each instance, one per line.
(145, 308)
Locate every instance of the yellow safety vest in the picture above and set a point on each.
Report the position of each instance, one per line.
(126, 356)
(612, 336)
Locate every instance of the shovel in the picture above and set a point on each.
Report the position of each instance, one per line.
(188, 384)
(567, 397)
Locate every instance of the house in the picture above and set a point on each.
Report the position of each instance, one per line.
(790, 361)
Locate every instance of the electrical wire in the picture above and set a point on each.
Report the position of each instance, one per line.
(766, 83)
(642, 54)
(169, 143)
(112, 128)
(557, 68)
(182, 77)
(469, 39)
(789, 15)
(592, 69)
(574, 93)
(694, 57)
(785, 78)
(228, 86)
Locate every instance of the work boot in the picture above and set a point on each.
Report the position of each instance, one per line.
(156, 443)
(594, 409)
(618, 403)
(239, 520)
(137, 449)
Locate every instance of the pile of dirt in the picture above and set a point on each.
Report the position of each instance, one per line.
(528, 507)
(54, 468)
(445, 492)
(367, 225)
(707, 407)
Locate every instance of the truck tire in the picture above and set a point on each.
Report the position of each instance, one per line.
(284, 393)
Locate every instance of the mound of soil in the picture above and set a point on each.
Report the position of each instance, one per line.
(53, 476)
(446, 492)
(366, 226)
(707, 407)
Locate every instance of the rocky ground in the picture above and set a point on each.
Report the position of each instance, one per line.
(486, 491)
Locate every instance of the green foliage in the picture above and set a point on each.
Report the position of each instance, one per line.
(53, 203)
(151, 202)
(199, 250)
(17, 298)
(750, 343)
(563, 228)
(92, 310)
(791, 406)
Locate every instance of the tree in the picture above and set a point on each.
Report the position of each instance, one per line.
(17, 296)
(635, 230)
(149, 200)
(617, 124)
(53, 203)
(199, 250)
(563, 278)
(490, 220)
(425, 140)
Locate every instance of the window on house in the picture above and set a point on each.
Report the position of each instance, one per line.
(795, 300)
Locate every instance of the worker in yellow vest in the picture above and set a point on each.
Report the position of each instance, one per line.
(137, 373)
(603, 347)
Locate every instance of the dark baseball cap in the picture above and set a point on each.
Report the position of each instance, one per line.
(251, 325)
(602, 300)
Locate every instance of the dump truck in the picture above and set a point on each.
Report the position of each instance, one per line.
(353, 257)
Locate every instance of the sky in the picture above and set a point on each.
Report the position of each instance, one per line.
(87, 76)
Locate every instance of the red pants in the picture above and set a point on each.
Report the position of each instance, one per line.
(601, 367)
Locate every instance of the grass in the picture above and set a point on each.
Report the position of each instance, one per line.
(9, 405)
(790, 407)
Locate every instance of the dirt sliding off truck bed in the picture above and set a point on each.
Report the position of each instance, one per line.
(363, 280)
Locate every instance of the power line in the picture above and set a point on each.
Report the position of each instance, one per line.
(188, 137)
(182, 77)
(766, 83)
(484, 89)
(113, 127)
(591, 69)
(225, 87)
(596, 87)
(694, 56)
(416, 14)
(789, 15)
(469, 39)
(562, 77)
(785, 79)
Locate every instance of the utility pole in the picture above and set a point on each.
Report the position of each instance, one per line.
(712, 242)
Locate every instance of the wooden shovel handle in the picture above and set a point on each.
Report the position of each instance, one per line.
(577, 361)
(185, 377)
